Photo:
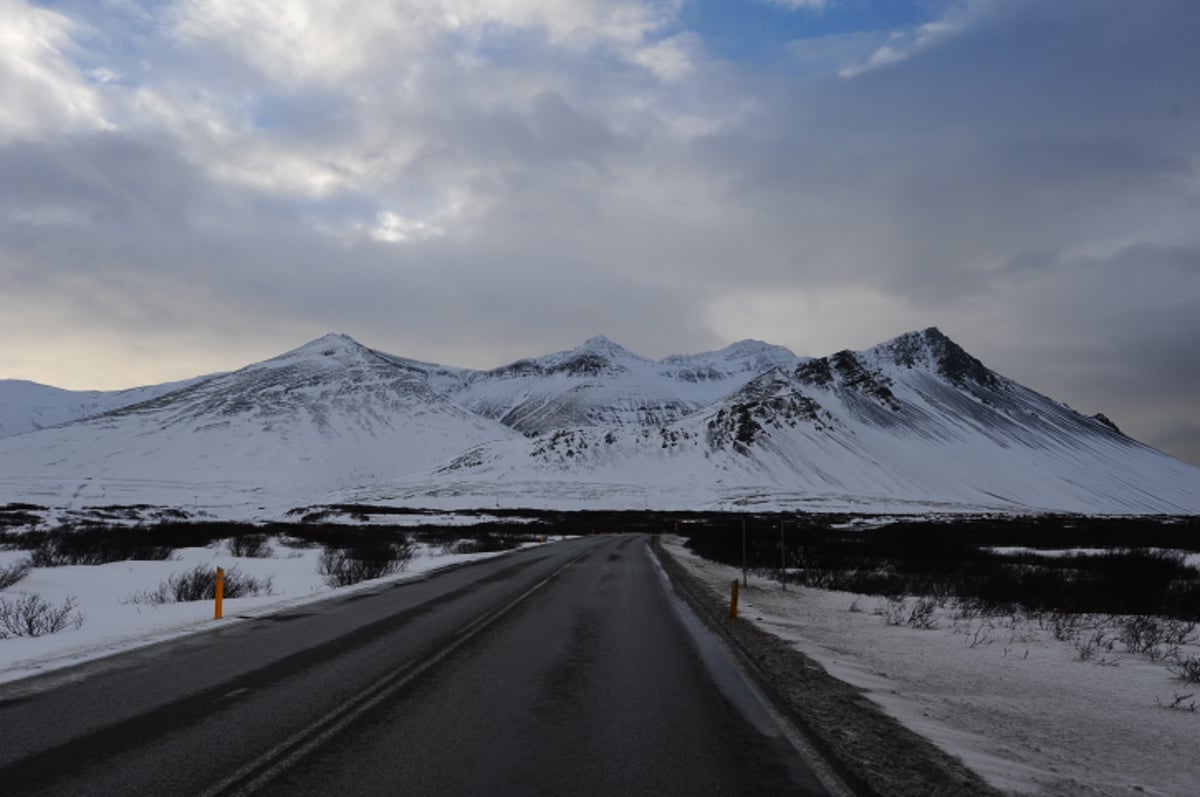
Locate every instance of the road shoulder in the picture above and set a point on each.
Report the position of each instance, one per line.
(871, 751)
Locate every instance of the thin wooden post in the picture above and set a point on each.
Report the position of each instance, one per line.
(220, 593)
(733, 595)
(782, 557)
(745, 582)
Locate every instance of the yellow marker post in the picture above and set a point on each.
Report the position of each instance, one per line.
(220, 593)
(733, 593)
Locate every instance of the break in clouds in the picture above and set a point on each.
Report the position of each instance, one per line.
(188, 186)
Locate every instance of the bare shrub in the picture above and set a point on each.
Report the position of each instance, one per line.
(254, 546)
(67, 546)
(1180, 702)
(30, 615)
(1065, 627)
(969, 608)
(1186, 669)
(1155, 637)
(923, 614)
(1178, 632)
(982, 636)
(1092, 647)
(894, 611)
(1142, 634)
(342, 567)
(200, 584)
(14, 572)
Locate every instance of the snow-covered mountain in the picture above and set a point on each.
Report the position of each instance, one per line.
(327, 415)
(915, 423)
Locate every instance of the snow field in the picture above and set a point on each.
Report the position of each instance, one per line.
(1015, 703)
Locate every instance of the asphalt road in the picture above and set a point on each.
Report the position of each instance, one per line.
(563, 669)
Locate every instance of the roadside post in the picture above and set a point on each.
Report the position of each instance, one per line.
(220, 593)
(782, 557)
(745, 581)
(733, 595)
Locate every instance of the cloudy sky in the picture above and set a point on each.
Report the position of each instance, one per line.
(192, 185)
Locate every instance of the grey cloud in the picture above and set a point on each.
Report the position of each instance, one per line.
(1180, 438)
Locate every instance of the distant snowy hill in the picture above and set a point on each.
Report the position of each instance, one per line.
(914, 424)
(28, 406)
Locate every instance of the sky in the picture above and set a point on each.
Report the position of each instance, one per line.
(188, 186)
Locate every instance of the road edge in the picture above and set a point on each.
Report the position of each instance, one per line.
(31, 676)
(871, 751)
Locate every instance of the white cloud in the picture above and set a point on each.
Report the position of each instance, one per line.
(668, 59)
(41, 88)
(102, 74)
(394, 228)
(904, 44)
(298, 42)
(812, 5)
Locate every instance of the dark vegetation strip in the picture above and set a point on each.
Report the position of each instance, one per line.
(98, 544)
(1140, 569)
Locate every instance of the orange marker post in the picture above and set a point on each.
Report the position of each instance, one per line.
(220, 593)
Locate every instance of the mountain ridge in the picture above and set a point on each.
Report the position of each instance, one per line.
(915, 421)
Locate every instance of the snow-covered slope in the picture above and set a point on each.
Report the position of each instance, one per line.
(915, 423)
(28, 406)
(276, 434)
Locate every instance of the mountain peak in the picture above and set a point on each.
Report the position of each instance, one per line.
(602, 345)
(327, 345)
(933, 348)
(750, 346)
(596, 355)
(333, 340)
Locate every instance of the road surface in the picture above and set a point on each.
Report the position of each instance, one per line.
(563, 669)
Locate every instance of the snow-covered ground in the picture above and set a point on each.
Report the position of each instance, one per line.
(114, 622)
(1013, 702)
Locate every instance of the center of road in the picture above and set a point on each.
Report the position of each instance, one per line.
(250, 777)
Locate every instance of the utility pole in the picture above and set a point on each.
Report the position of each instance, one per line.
(745, 582)
(782, 557)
